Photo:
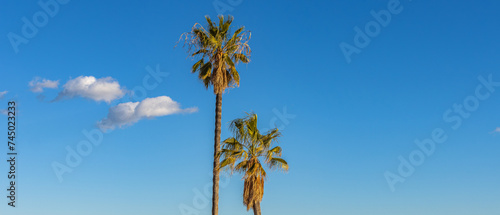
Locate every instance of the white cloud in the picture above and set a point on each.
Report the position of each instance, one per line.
(37, 84)
(2, 94)
(4, 112)
(102, 89)
(497, 130)
(131, 112)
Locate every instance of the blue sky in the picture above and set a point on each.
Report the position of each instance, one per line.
(347, 124)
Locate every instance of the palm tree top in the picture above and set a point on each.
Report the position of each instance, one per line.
(248, 145)
(219, 52)
(244, 151)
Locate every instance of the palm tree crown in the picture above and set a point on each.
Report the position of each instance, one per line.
(243, 153)
(219, 51)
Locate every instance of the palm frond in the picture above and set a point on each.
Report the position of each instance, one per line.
(278, 163)
(197, 65)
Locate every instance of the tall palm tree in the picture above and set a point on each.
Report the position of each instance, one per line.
(245, 152)
(218, 51)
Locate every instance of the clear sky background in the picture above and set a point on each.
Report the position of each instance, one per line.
(351, 121)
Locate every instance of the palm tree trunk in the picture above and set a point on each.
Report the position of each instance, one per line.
(215, 194)
(256, 208)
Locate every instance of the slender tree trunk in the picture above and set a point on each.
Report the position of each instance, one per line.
(256, 208)
(215, 194)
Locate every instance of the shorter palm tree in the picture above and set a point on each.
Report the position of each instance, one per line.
(243, 153)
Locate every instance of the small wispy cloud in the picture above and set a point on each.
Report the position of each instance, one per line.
(126, 114)
(2, 94)
(103, 89)
(3, 112)
(38, 84)
(496, 131)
